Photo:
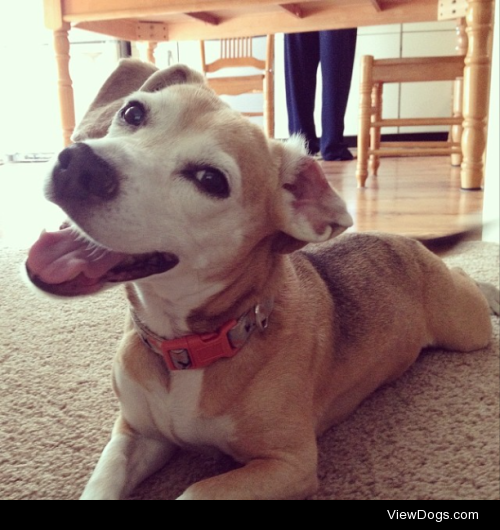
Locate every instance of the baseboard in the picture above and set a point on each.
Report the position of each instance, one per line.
(26, 157)
(352, 141)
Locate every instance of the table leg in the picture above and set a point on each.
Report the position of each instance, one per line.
(151, 51)
(66, 96)
(476, 89)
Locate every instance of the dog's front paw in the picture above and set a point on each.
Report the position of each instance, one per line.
(96, 492)
(97, 496)
(199, 492)
(185, 497)
(492, 294)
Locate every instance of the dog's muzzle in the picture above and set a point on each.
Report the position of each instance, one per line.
(82, 176)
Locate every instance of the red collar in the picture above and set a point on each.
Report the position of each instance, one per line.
(199, 351)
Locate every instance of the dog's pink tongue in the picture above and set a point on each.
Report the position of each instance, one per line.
(59, 257)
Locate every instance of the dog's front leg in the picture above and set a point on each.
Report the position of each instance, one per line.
(127, 460)
(262, 479)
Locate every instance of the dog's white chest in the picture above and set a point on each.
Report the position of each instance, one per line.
(174, 413)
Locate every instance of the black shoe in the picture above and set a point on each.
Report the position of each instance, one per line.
(342, 155)
(313, 147)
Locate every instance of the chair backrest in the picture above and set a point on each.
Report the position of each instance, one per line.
(238, 53)
(408, 70)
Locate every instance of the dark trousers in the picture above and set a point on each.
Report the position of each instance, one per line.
(335, 50)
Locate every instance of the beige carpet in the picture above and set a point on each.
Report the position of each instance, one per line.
(434, 434)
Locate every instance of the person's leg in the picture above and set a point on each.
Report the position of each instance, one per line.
(301, 67)
(337, 51)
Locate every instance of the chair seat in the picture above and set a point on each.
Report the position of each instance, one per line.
(234, 86)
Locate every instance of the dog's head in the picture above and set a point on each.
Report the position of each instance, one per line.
(164, 173)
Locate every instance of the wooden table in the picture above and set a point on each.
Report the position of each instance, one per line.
(162, 20)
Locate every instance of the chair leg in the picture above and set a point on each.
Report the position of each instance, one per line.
(376, 115)
(364, 120)
(456, 130)
(269, 105)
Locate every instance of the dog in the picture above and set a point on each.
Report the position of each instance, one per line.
(238, 338)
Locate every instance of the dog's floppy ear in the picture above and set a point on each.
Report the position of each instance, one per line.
(130, 76)
(175, 75)
(310, 210)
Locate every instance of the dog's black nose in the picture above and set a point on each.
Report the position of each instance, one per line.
(81, 175)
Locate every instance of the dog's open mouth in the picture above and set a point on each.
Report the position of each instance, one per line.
(65, 264)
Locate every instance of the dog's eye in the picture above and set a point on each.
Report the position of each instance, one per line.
(213, 182)
(134, 114)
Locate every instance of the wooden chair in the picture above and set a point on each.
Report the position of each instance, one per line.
(238, 52)
(376, 73)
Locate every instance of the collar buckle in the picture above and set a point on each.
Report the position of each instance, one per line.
(199, 351)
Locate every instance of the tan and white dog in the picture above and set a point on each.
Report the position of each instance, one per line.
(237, 340)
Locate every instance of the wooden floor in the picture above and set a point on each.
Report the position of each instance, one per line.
(411, 196)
